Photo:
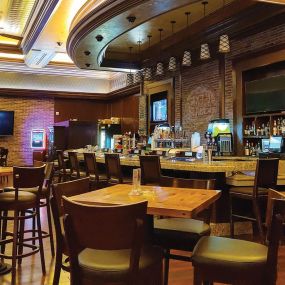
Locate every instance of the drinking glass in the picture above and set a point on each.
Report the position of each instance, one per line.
(136, 187)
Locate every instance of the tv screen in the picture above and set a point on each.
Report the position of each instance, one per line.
(275, 144)
(6, 123)
(158, 107)
(265, 95)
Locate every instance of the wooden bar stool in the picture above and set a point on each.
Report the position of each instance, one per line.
(150, 169)
(114, 169)
(75, 172)
(22, 203)
(265, 178)
(62, 172)
(96, 179)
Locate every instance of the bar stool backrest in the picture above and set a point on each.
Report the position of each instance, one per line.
(28, 177)
(150, 169)
(113, 167)
(266, 174)
(60, 158)
(74, 165)
(91, 164)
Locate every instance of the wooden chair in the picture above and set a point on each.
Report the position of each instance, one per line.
(178, 233)
(62, 172)
(114, 169)
(96, 179)
(112, 250)
(67, 189)
(265, 178)
(150, 169)
(75, 172)
(225, 260)
(21, 203)
(39, 155)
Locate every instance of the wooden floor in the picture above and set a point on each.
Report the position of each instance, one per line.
(29, 273)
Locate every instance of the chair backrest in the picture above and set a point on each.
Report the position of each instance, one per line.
(60, 158)
(274, 236)
(39, 155)
(266, 174)
(49, 171)
(28, 177)
(150, 169)
(113, 167)
(70, 188)
(167, 181)
(3, 156)
(91, 164)
(103, 227)
(74, 165)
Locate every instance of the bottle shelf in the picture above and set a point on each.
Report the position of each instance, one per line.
(255, 137)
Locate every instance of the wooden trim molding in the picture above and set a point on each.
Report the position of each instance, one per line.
(124, 92)
(39, 23)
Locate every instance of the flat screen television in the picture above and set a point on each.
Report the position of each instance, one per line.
(6, 123)
(275, 143)
(265, 95)
(158, 106)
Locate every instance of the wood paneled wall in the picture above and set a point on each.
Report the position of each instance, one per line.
(126, 108)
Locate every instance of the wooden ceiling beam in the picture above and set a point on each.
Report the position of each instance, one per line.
(272, 1)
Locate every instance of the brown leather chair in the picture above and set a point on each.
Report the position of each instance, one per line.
(22, 203)
(265, 178)
(75, 172)
(178, 233)
(96, 179)
(225, 260)
(62, 172)
(112, 250)
(67, 189)
(150, 169)
(114, 169)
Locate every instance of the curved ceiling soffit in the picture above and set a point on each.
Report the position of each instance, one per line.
(111, 16)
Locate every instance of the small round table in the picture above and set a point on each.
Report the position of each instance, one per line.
(5, 171)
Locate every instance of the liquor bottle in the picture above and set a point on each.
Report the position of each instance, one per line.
(253, 129)
(280, 127)
(246, 130)
(252, 150)
(258, 149)
(283, 127)
(274, 130)
(263, 130)
(246, 149)
(267, 130)
(259, 133)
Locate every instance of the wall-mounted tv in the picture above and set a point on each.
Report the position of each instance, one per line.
(158, 107)
(6, 123)
(265, 95)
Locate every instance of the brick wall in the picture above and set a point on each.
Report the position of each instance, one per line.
(30, 113)
(200, 88)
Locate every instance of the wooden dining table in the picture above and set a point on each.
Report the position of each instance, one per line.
(164, 201)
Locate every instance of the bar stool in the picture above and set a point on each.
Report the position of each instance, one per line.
(265, 178)
(22, 203)
(114, 170)
(75, 172)
(62, 172)
(150, 169)
(96, 179)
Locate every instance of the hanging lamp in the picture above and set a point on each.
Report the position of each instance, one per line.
(159, 65)
(186, 60)
(172, 60)
(224, 43)
(147, 70)
(130, 76)
(205, 50)
(138, 74)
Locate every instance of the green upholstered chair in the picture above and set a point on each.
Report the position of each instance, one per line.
(232, 261)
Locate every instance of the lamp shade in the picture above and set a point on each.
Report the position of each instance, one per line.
(186, 61)
(147, 73)
(224, 44)
(130, 79)
(172, 64)
(205, 52)
(159, 69)
(138, 77)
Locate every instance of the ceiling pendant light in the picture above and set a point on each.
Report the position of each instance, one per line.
(224, 43)
(138, 74)
(205, 50)
(186, 60)
(172, 60)
(130, 76)
(159, 66)
(147, 70)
